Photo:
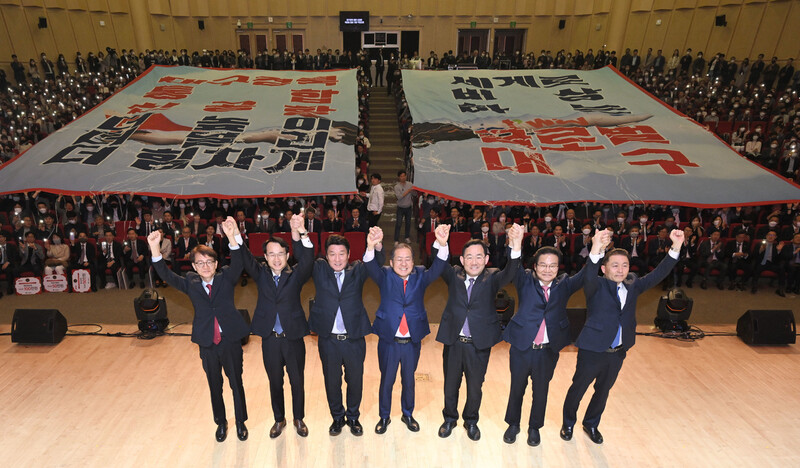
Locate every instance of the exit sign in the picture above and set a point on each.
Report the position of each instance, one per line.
(513, 24)
(288, 25)
(473, 24)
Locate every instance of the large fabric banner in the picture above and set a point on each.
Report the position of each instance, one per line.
(548, 136)
(185, 131)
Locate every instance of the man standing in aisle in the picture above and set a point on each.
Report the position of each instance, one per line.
(218, 327)
(403, 190)
(610, 329)
(537, 333)
(401, 321)
(375, 204)
(470, 327)
(280, 320)
(339, 318)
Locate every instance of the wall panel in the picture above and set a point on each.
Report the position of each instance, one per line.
(104, 35)
(770, 27)
(635, 31)
(58, 20)
(700, 29)
(83, 31)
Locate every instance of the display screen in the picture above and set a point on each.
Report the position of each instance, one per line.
(354, 21)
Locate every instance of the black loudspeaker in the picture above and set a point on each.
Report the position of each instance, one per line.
(562, 24)
(577, 317)
(767, 327)
(42, 22)
(720, 21)
(201, 24)
(38, 326)
(246, 317)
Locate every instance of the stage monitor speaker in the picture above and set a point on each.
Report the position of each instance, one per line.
(38, 326)
(562, 24)
(246, 317)
(201, 24)
(42, 22)
(577, 317)
(720, 20)
(767, 327)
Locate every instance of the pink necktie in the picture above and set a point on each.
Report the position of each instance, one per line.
(540, 334)
(217, 335)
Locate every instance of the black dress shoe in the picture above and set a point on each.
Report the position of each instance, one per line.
(277, 429)
(593, 434)
(472, 431)
(510, 435)
(355, 427)
(533, 437)
(336, 427)
(566, 432)
(241, 430)
(446, 428)
(411, 423)
(780, 292)
(301, 428)
(380, 428)
(222, 432)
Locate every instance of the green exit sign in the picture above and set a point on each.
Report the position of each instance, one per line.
(513, 24)
(288, 25)
(473, 24)
(249, 25)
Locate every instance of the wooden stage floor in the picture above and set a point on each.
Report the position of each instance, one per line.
(103, 401)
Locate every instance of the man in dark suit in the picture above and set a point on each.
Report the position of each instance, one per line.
(211, 240)
(265, 222)
(537, 333)
(245, 227)
(401, 321)
(113, 259)
(355, 222)
(134, 252)
(339, 318)
(183, 249)
(470, 327)
(218, 327)
(771, 255)
(738, 253)
(9, 261)
(280, 320)
(312, 223)
(84, 256)
(711, 256)
(610, 328)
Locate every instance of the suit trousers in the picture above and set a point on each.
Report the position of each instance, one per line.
(538, 365)
(716, 264)
(348, 354)
(391, 356)
(463, 359)
(280, 353)
(225, 355)
(602, 368)
(404, 218)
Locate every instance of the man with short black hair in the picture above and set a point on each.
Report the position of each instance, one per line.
(375, 204)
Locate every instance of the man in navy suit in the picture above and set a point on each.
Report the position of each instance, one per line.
(537, 333)
(401, 321)
(610, 328)
(280, 321)
(470, 327)
(339, 318)
(218, 327)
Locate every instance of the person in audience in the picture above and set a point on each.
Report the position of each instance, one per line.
(711, 256)
(31, 256)
(135, 251)
(58, 255)
(9, 262)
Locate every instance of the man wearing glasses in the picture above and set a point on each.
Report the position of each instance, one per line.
(537, 332)
(218, 327)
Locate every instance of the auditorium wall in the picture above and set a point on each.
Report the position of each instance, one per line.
(753, 26)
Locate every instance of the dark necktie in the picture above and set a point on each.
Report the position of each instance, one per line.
(278, 328)
(217, 334)
(465, 328)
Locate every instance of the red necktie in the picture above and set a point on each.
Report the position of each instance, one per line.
(403, 329)
(217, 335)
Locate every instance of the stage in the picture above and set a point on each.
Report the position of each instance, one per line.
(121, 401)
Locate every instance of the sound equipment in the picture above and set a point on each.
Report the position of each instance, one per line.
(38, 326)
(504, 305)
(201, 24)
(767, 327)
(246, 317)
(42, 22)
(720, 21)
(577, 317)
(562, 24)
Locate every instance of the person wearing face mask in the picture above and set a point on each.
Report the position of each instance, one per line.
(620, 226)
(204, 210)
(548, 224)
(499, 226)
(570, 224)
(793, 265)
(791, 230)
(773, 224)
(697, 227)
(718, 225)
(58, 255)
(583, 246)
(771, 255)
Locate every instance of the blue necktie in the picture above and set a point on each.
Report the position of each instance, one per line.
(278, 328)
(339, 319)
(618, 338)
(465, 328)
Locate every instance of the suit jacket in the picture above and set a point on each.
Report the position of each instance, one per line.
(731, 248)
(12, 255)
(704, 251)
(141, 230)
(216, 244)
(550, 240)
(317, 225)
(218, 304)
(641, 246)
(603, 312)
(116, 249)
(484, 323)
(180, 247)
(426, 224)
(576, 226)
(91, 252)
(141, 249)
(395, 302)
(282, 300)
(267, 225)
(332, 225)
(328, 298)
(362, 225)
(524, 325)
(38, 253)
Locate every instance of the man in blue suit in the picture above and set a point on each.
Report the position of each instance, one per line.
(401, 321)
(610, 329)
(218, 327)
(537, 333)
(470, 327)
(339, 318)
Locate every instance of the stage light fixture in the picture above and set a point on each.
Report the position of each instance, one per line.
(673, 311)
(151, 311)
